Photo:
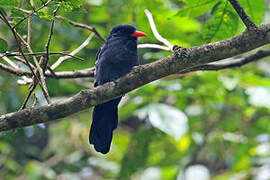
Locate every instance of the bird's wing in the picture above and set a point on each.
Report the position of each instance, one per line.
(100, 51)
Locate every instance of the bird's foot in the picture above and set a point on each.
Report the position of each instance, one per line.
(180, 51)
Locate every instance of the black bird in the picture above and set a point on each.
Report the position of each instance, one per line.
(114, 59)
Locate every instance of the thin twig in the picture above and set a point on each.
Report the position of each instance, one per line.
(243, 15)
(84, 26)
(18, 43)
(154, 30)
(41, 54)
(52, 72)
(31, 89)
(35, 100)
(154, 46)
(32, 12)
(49, 39)
(14, 70)
(24, 80)
(37, 79)
(42, 80)
(11, 63)
(32, 3)
(25, 11)
(29, 30)
(73, 23)
(63, 58)
(85, 73)
(23, 61)
(229, 64)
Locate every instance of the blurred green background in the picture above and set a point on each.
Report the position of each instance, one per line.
(201, 125)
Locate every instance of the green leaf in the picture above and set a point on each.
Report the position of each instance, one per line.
(71, 4)
(17, 13)
(166, 118)
(3, 46)
(197, 7)
(4, 10)
(223, 25)
(255, 9)
(9, 2)
(44, 14)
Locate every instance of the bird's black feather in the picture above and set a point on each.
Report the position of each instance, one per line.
(114, 59)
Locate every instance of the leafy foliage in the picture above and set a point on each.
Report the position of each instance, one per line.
(255, 9)
(9, 2)
(196, 8)
(223, 24)
(3, 46)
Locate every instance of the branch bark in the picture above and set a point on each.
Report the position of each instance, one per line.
(88, 73)
(140, 75)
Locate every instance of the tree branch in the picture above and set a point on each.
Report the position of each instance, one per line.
(47, 46)
(168, 46)
(85, 73)
(63, 58)
(84, 26)
(73, 23)
(33, 12)
(229, 64)
(17, 41)
(36, 77)
(140, 75)
(41, 54)
(154, 46)
(155, 31)
(243, 15)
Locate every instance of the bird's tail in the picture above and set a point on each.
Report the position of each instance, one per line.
(105, 120)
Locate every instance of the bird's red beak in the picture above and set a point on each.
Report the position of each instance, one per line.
(138, 34)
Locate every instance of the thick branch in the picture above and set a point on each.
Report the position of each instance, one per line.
(140, 75)
(243, 15)
(87, 73)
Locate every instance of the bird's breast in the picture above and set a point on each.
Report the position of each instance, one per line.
(116, 60)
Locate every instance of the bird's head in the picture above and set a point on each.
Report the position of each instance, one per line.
(126, 30)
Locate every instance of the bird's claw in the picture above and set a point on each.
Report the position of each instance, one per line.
(180, 51)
